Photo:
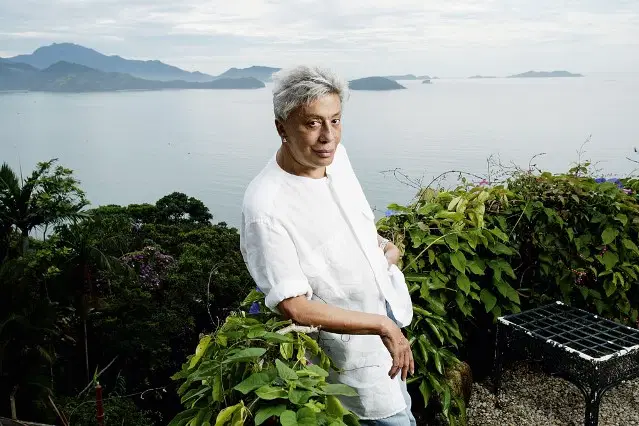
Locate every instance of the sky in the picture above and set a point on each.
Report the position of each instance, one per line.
(445, 38)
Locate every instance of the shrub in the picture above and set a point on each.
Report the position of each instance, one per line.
(252, 367)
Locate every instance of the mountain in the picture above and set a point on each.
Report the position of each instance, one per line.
(261, 73)
(69, 77)
(482, 76)
(46, 56)
(545, 74)
(374, 83)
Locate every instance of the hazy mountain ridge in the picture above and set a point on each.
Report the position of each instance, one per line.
(64, 76)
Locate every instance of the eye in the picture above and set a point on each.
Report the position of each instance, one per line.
(337, 120)
(314, 123)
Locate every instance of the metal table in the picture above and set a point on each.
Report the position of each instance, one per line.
(593, 353)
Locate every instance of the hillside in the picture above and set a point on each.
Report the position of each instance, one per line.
(46, 56)
(69, 77)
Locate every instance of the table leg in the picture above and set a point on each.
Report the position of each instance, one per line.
(592, 407)
(498, 361)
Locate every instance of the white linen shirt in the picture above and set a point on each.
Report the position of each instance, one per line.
(317, 237)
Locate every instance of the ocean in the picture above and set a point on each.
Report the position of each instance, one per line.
(135, 147)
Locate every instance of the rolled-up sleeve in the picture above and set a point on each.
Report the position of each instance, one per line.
(273, 262)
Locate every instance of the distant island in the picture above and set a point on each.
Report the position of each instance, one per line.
(427, 81)
(45, 56)
(545, 74)
(64, 76)
(261, 73)
(407, 77)
(482, 76)
(374, 83)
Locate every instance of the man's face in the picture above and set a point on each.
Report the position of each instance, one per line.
(313, 132)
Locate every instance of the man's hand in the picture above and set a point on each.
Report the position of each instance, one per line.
(392, 254)
(399, 349)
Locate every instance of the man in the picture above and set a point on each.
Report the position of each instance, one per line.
(308, 237)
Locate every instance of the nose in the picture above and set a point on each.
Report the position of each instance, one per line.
(327, 134)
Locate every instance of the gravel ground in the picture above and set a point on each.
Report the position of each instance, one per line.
(529, 397)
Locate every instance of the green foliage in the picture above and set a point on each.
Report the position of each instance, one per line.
(247, 370)
(47, 197)
(476, 251)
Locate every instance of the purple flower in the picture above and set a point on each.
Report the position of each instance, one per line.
(389, 213)
(255, 309)
(616, 181)
(600, 180)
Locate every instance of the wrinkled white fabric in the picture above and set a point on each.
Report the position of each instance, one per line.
(317, 237)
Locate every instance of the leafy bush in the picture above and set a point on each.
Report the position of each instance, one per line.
(252, 367)
(478, 250)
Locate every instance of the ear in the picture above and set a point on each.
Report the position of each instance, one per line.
(280, 129)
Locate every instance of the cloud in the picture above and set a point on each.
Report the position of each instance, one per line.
(455, 38)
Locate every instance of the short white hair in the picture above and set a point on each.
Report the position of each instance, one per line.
(302, 85)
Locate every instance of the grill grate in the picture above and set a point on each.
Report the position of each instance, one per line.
(578, 330)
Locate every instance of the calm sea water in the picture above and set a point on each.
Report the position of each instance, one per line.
(134, 147)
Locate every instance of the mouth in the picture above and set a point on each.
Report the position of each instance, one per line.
(324, 153)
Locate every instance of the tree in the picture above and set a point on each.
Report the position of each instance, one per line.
(49, 196)
(178, 208)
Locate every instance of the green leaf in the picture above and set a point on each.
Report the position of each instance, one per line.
(199, 351)
(284, 371)
(622, 218)
(446, 404)
(254, 331)
(288, 418)
(306, 417)
(610, 286)
(254, 381)
(438, 362)
(217, 393)
(507, 291)
(630, 245)
(270, 392)
(277, 338)
(459, 261)
(245, 355)
(184, 417)
(334, 407)
(226, 414)
(316, 370)
(463, 283)
(609, 259)
(431, 256)
(435, 330)
(488, 299)
(338, 389)
(608, 235)
(311, 343)
(499, 234)
(286, 350)
(453, 203)
(425, 390)
(267, 412)
(298, 396)
(476, 267)
(423, 348)
(452, 241)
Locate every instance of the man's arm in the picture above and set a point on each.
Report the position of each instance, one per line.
(337, 320)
